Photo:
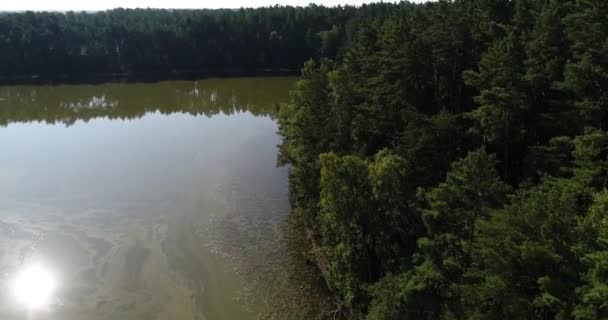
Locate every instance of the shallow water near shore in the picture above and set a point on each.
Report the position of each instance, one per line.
(145, 201)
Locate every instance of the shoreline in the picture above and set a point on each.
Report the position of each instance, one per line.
(143, 77)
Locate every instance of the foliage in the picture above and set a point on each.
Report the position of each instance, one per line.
(454, 157)
(448, 160)
(144, 41)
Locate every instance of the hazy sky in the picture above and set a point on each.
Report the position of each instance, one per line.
(63, 5)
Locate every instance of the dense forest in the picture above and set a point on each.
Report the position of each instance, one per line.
(452, 162)
(448, 160)
(137, 41)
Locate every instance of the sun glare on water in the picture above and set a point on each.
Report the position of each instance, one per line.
(34, 287)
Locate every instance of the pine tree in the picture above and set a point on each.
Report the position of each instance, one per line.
(527, 265)
(501, 103)
(455, 208)
(303, 126)
(586, 74)
(545, 58)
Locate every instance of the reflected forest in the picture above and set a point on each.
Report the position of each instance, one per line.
(66, 104)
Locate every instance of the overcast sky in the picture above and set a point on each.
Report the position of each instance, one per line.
(64, 5)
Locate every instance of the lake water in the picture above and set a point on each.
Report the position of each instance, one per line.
(143, 201)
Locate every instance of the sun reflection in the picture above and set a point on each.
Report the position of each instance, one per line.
(34, 287)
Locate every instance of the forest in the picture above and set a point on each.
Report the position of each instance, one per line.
(447, 160)
(139, 41)
(452, 161)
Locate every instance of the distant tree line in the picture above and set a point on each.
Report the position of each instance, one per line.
(453, 163)
(164, 41)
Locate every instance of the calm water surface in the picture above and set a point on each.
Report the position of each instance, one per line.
(141, 199)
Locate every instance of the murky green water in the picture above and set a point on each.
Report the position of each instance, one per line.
(145, 201)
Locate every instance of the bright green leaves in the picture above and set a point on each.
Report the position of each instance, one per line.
(591, 158)
(346, 221)
(408, 295)
(359, 199)
(593, 295)
(597, 216)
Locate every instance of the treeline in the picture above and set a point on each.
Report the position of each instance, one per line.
(163, 41)
(453, 164)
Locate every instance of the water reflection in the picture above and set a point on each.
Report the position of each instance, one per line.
(34, 286)
(69, 103)
(135, 217)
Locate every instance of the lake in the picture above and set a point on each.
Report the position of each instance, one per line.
(146, 201)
